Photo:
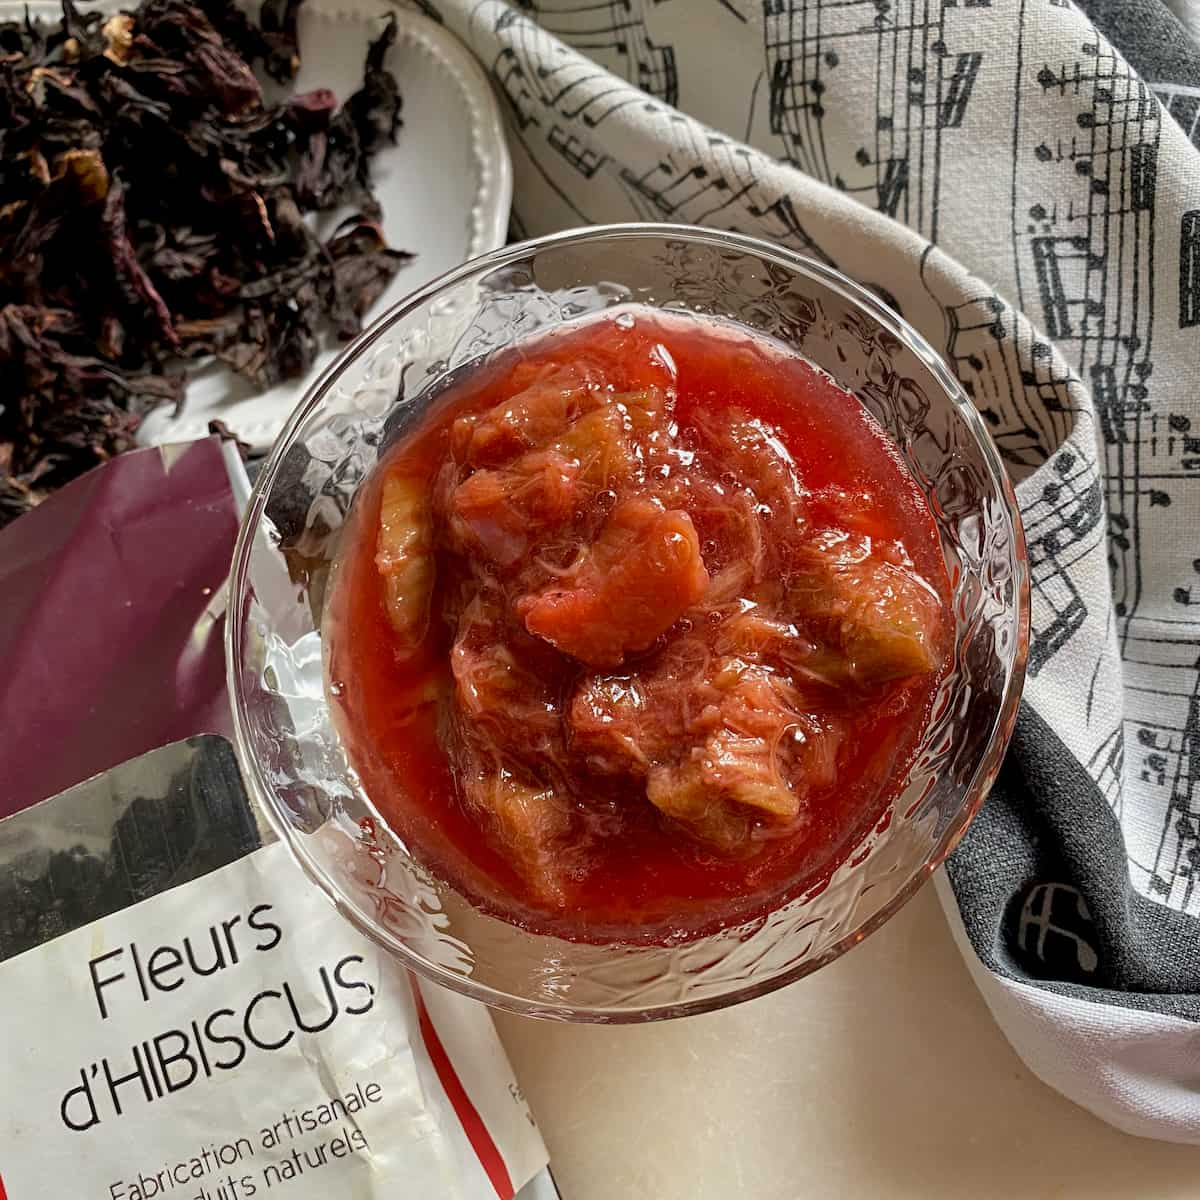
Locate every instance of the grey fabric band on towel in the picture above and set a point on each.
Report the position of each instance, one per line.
(1044, 892)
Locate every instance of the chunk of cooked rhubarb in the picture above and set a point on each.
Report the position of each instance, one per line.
(645, 409)
(743, 754)
(624, 723)
(600, 444)
(878, 614)
(613, 727)
(502, 511)
(640, 575)
(508, 703)
(530, 824)
(530, 419)
(613, 440)
(742, 768)
(758, 754)
(756, 634)
(681, 792)
(753, 451)
(404, 558)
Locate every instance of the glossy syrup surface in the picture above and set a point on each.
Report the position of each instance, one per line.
(635, 632)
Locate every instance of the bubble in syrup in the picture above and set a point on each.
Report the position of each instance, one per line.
(625, 320)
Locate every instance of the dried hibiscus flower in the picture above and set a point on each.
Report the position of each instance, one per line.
(152, 211)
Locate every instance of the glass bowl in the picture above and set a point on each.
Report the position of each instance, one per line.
(291, 755)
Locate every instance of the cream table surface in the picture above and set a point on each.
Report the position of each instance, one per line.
(880, 1076)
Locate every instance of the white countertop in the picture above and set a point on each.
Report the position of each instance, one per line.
(881, 1075)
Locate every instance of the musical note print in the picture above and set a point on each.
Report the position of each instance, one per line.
(1189, 269)
(1168, 767)
(1064, 525)
(1107, 767)
(1085, 259)
(614, 34)
(1055, 928)
(925, 86)
(1028, 404)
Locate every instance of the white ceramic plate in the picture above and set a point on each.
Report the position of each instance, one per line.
(445, 187)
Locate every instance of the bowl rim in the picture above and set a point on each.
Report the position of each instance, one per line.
(976, 790)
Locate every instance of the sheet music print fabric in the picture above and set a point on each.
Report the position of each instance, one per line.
(925, 147)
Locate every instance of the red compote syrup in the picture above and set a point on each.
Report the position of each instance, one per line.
(636, 631)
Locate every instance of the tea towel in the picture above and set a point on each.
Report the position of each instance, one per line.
(1027, 194)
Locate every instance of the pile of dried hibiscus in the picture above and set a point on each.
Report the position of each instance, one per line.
(152, 211)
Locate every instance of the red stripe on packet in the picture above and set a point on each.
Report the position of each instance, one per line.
(472, 1123)
(3, 1193)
